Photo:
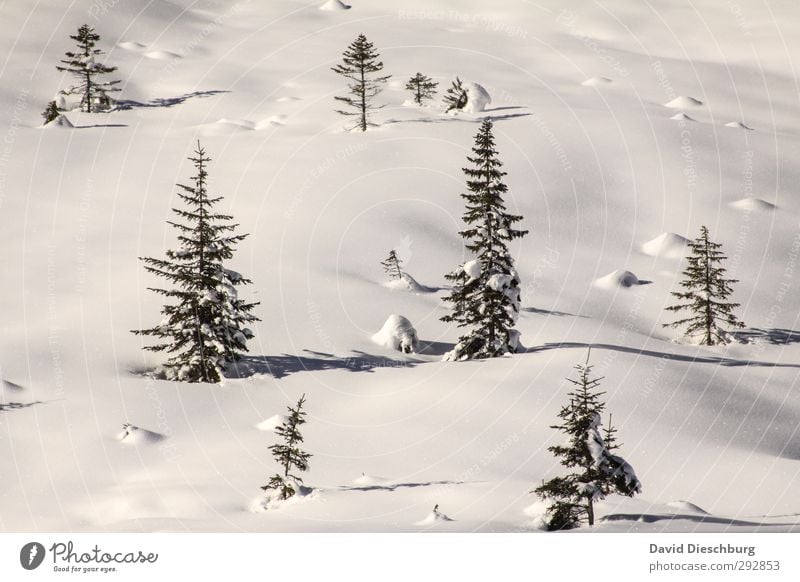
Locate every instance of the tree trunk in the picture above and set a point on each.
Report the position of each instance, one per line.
(590, 511)
(363, 101)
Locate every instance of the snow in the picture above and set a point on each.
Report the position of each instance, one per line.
(271, 423)
(682, 117)
(477, 97)
(738, 125)
(472, 269)
(667, 244)
(595, 172)
(398, 334)
(683, 102)
(618, 279)
(753, 204)
(597, 82)
(133, 435)
(407, 283)
(333, 5)
(61, 122)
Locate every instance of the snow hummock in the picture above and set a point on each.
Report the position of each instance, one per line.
(133, 435)
(272, 422)
(434, 517)
(335, 5)
(753, 204)
(683, 102)
(686, 506)
(595, 81)
(407, 283)
(682, 117)
(61, 121)
(132, 45)
(616, 279)
(739, 125)
(472, 269)
(667, 244)
(369, 480)
(162, 55)
(477, 97)
(398, 334)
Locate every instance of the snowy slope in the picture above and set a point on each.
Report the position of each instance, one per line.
(584, 99)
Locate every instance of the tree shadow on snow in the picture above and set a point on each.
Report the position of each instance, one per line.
(124, 104)
(286, 364)
(6, 406)
(706, 359)
(538, 311)
(454, 118)
(654, 518)
(774, 336)
(395, 486)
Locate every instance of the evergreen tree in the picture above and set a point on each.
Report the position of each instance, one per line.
(456, 96)
(360, 60)
(596, 472)
(706, 293)
(82, 65)
(51, 112)
(288, 455)
(486, 291)
(392, 265)
(206, 327)
(421, 87)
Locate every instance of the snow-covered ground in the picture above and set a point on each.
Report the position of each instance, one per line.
(624, 126)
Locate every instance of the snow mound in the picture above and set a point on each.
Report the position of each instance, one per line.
(162, 55)
(434, 517)
(271, 500)
(398, 334)
(753, 204)
(287, 98)
(332, 5)
(226, 126)
(739, 125)
(617, 279)
(132, 45)
(686, 506)
(407, 283)
(683, 102)
(477, 97)
(667, 244)
(133, 435)
(272, 422)
(682, 117)
(60, 121)
(596, 81)
(272, 121)
(368, 480)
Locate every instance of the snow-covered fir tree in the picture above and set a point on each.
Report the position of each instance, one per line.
(391, 265)
(486, 290)
(360, 61)
(82, 65)
(288, 454)
(421, 88)
(595, 471)
(51, 112)
(456, 96)
(205, 327)
(706, 294)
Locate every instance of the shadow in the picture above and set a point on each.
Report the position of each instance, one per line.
(100, 125)
(538, 311)
(449, 119)
(775, 336)
(719, 360)
(506, 108)
(654, 518)
(6, 406)
(433, 348)
(285, 364)
(394, 487)
(125, 104)
(11, 385)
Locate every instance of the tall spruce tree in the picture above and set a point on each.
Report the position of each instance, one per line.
(360, 61)
(288, 455)
(455, 97)
(421, 88)
(82, 65)
(706, 293)
(596, 472)
(391, 265)
(486, 291)
(205, 328)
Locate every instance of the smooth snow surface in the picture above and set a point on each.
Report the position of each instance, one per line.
(605, 182)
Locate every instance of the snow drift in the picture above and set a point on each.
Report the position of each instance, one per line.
(398, 334)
